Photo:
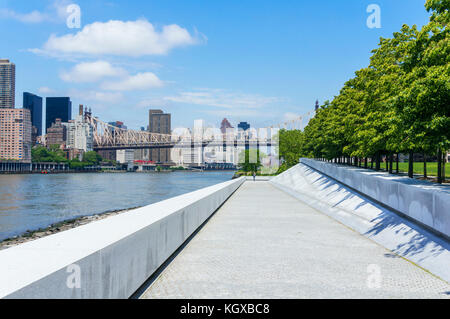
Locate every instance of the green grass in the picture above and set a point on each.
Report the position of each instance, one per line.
(418, 168)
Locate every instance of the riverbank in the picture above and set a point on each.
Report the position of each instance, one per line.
(31, 235)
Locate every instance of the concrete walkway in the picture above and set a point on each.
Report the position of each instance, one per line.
(263, 243)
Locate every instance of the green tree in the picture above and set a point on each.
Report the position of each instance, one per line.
(290, 147)
(92, 158)
(250, 160)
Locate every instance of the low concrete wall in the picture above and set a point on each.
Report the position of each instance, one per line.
(110, 258)
(259, 178)
(378, 223)
(427, 203)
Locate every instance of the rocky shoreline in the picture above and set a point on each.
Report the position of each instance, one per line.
(31, 235)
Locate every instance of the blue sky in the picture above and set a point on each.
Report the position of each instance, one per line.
(256, 61)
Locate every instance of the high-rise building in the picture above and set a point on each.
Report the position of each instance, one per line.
(243, 126)
(57, 108)
(33, 103)
(57, 133)
(7, 84)
(80, 135)
(15, 134)
(225, 126)
(161, 123)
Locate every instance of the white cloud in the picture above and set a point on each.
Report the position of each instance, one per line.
(56, 12)
(88, 72)
(122, 38)
(32, 17)
(60, 7)
(223, 99)
(97, 96)
(140, 81)
(45, 90)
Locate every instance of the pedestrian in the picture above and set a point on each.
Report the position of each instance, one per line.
(254, 176)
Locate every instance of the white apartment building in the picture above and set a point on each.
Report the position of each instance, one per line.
(125, 156)
(80, 135)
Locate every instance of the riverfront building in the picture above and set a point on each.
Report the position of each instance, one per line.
(33, 103)
(160, 123)
(58, 108)
(125, 156)
(7, 84)
(57, 133)
(80, 135)
(15, 134)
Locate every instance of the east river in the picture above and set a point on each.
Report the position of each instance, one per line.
(30, 202)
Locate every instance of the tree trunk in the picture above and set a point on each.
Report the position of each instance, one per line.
(398, 163)
(391, 163)
(425, 173)
(444, 162)
(365, 162)
(411, 165)
(439, 173)
(378, 162)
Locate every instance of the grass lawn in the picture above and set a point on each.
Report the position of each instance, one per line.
(418, 168)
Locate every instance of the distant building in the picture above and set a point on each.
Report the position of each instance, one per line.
(118, 124)
(80, 135)
(243, 126)
(160, 122)
(7, 84)
(15, 134)
(108, 155)
(125, 156)
(58, 108)
(33, 103)
(57, 133)
(225, 125)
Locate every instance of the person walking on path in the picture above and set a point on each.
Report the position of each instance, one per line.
(254, 176)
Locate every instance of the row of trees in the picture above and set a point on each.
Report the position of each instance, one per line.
(54, 154)
(400, 103)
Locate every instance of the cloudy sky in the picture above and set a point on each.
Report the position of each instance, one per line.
(256, 61)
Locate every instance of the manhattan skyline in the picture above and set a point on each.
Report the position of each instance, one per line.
(207, 60)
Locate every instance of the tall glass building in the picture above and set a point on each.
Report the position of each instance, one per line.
(7, 84)
(33, 103)
(57, 108)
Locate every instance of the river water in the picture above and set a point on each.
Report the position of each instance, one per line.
(30, 202)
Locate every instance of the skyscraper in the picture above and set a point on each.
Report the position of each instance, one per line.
(15, 135)
(57, 108)
(243, 126)
(7, 84)
(225, 126)
(34, 104)
(159, 122)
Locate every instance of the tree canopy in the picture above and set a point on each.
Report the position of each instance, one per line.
(399, 103)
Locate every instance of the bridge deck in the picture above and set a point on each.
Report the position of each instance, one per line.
(264, 243)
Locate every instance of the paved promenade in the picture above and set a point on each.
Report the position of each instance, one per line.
(263, 243)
